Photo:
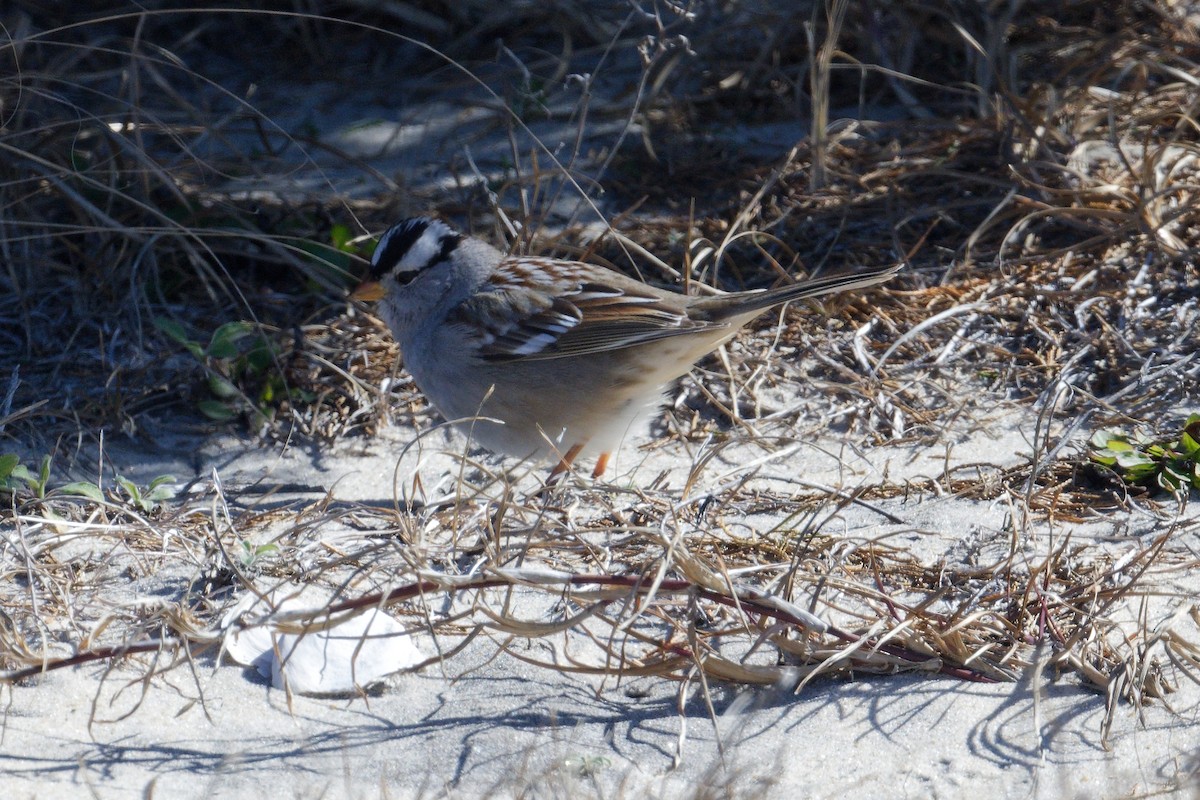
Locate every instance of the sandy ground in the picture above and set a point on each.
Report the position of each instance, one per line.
(506, 731)
(489, 724)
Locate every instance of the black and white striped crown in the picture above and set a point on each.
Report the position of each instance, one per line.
(413, 245)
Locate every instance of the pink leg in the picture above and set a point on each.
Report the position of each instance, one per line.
(601, 465)
(565, 462)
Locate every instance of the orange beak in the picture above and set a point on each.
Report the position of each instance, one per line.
(367, 291)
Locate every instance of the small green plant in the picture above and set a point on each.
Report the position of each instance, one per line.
(1173, 466)
(236, 355)
(241, 362)
(252, 553)
(15, 476)
(147, 499)
(586, 766)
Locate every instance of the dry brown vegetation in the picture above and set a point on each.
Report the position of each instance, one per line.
(1038, 179)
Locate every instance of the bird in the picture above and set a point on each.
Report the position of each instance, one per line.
(544, 357)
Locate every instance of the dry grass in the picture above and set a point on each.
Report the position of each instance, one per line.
(1043, 200)
(638, 584)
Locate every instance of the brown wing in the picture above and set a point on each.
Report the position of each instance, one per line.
(581, 309)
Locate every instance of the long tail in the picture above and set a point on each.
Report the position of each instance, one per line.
(738, 304)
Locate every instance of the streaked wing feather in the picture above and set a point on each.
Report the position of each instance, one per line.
(593, 337)
(577, 314)
(532, 334)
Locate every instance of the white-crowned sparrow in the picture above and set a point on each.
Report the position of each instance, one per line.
(543, 356)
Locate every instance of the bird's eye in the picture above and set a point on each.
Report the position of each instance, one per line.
(406, 277)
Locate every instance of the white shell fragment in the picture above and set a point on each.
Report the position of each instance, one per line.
(349, 657)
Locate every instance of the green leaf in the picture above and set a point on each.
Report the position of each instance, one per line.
(260, 357)
(173, 330)
(341, 235)
(160, 495)
(1189, 445)
(1119, 443)
(89, 490)
(22, 473)
(216, 410)
(222, 387)
(1133, 458)
(1140, 473)
(43, 477)
(160, 489)
(225, 338)
(159, 481)
(8, 462)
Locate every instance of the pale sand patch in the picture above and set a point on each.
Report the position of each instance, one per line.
(488, 723)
